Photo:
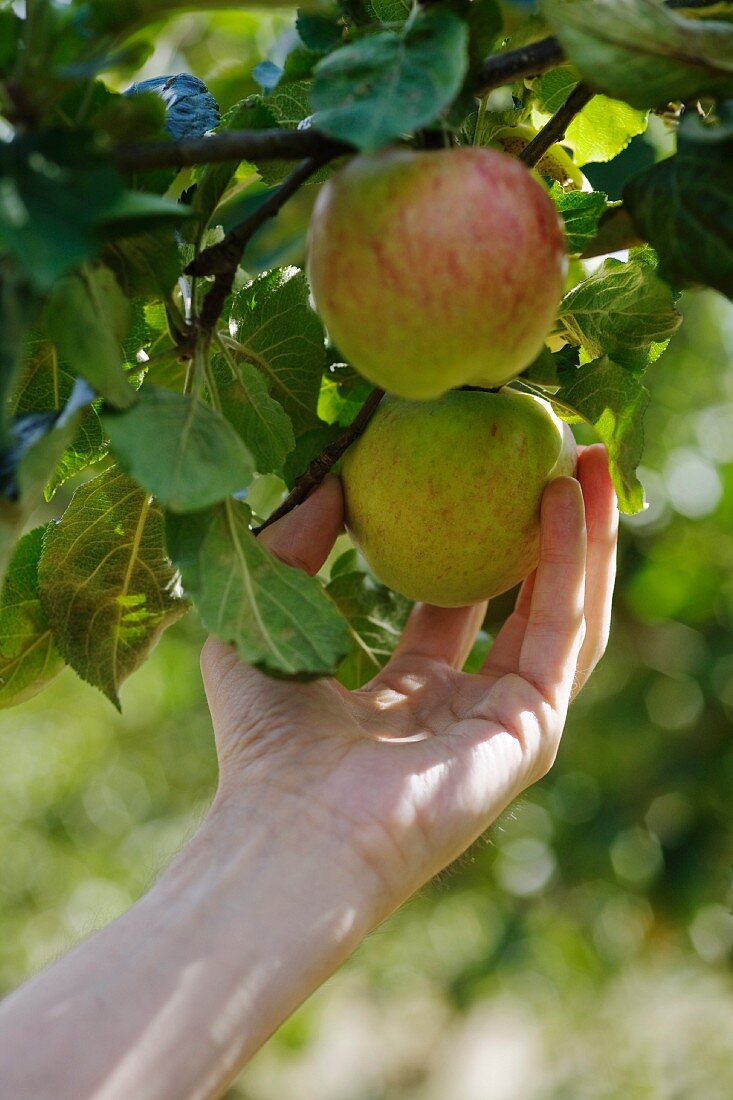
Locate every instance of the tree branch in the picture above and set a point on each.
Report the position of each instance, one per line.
(231, 145)
(323, 462)
(531, 60)
(554, 130)
(142, 156)
(222, 260)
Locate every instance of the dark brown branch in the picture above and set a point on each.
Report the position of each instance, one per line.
(232, 145)
(222, 260)
(554, 130)
(531, 60)
(321, 465)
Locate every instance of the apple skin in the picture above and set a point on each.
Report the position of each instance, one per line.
(443, 498)
(433, 270)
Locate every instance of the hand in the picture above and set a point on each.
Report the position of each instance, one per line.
(407, 771)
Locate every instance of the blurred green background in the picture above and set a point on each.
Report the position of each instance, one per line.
(583, 948)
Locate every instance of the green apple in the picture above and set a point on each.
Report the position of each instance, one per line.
(443, 498)
(433, 270)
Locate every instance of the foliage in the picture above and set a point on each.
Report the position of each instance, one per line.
(186, 404)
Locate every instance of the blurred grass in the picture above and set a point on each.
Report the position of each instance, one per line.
(583, 949)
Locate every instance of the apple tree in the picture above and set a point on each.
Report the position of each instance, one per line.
(159, 351)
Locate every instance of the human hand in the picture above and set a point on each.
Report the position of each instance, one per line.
(407, 771)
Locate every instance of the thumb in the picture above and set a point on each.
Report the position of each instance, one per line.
(304, 537)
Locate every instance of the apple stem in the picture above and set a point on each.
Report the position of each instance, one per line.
(322, 463)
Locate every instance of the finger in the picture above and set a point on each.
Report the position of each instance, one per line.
(503, 656)
(443, 634)
(601, 513)
(553, 636)
(304, 537)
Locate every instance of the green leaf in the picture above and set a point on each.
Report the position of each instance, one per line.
(58, 199)
(28, 466)
(390, 11)
(376, 618)
(17, 310)
(214, 179)
(146, 265)
(601, 130)
(290, 104)
(485, 23)
(87, 316)
(274, 328)
(106, 585)
(258, 419)
(643, 52)
(308, 446)
(179, 449)
(388, 84)
(684, 205)
(319, 31)
(278, 618)
(621, 311)
(124, 16)
(10, 32)
(580, 212)
(29, 659)
(47, 384)
(613, 401)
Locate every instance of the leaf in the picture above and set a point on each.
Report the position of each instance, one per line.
(485, 23)
(106, 585)
(124, 16)
(620, 311)
(179, 449)
(684, 205)
(601, 130)
(580, 212)
(38, 442)
(47, 384)
(308, 446)
(390, 11)
(258, 419)
(278, 618)
(17, 310)
(388, 84)
(29, 659)
(643, 52)
(191, 110)
(319, 31)
(146, 265)
(614, 402)
(10, 34)
(214, 179)
(87, 317)
(376, 618)
(58, 198)
(274, 328)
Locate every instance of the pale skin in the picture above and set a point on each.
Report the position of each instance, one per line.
(332, 808)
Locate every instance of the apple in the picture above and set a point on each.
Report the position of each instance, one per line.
(433, 270)
(443, 498)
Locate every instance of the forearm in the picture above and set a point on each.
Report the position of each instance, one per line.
(174, 997)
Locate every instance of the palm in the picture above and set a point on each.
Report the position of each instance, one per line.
(413, 766)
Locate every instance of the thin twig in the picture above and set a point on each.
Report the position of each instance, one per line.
(222, 260)
(323, 462)
(554, 130)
